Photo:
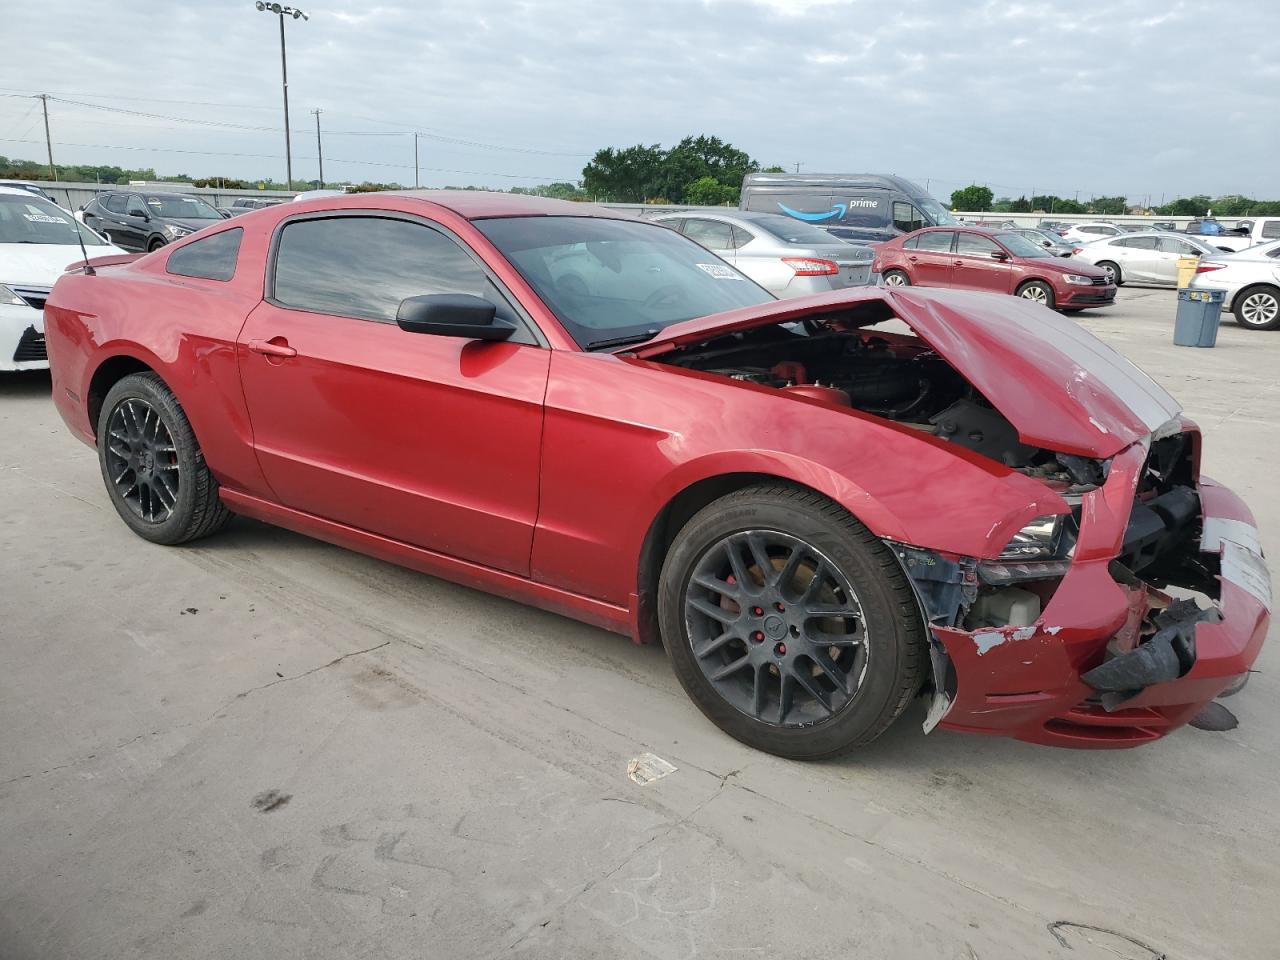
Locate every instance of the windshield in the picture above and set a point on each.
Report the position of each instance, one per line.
(1020, 246)
(28, 219)
(790, 230)
(935, 212)
(182, 208)
(607, 280)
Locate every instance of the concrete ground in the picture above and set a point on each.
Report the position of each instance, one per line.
(264, 746)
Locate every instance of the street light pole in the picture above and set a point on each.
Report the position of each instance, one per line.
(280, 11)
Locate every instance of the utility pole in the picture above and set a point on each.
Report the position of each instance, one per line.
(319, 149)
(48, 141)
(416, 183)
(281, 12)
(797, 166)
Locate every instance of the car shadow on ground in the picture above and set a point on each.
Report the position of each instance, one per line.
(25, 383)
(904, 750)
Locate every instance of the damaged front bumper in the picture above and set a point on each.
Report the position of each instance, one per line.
(1111, 661)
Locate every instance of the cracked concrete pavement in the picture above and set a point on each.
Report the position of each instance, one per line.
(262, 745)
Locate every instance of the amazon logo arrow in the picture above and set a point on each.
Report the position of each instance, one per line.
(836, 212)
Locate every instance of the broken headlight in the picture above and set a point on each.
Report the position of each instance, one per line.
(1038, 540)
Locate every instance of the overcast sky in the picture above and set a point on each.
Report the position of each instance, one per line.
(1126, 96)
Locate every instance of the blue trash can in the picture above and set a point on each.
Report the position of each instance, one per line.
(1199, 313)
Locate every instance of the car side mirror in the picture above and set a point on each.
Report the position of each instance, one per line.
(140, 214)
(999, 255)
(453, 315)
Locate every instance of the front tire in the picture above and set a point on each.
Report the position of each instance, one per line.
(152, 465)
(896, 278)
(155, 245)
(1113, 272)
(1258, 308)
(1037, 291)
(789, 624)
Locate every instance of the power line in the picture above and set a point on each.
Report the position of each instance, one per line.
(270, 156)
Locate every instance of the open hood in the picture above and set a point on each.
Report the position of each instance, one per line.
(1061, 387)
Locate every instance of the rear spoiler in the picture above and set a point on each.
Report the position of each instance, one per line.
(96, 262)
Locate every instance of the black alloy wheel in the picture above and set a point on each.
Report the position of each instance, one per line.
(153, 468)
(142, 461)
(791, 626)
(776, 628)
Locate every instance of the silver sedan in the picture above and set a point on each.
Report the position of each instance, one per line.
(1251, 281)
(1147, 257)
(785, 256)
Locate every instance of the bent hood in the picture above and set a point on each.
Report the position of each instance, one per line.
(1062, 388)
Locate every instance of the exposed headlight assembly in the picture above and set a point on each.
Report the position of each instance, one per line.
(10, 298)
(176, 232)
(1038, 540)
(1078, 280)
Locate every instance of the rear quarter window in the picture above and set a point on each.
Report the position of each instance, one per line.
(209, 258)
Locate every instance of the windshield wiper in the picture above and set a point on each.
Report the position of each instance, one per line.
(621, 341)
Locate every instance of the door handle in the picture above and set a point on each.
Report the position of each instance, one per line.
(913, 259)
(275, 347)
(957, 263)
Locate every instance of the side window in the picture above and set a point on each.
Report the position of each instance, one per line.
(1097, 231)
(210, 258)
(712, 234)
(136, 208)
(1174, 245)
(911, 243)
(906, 217)
(677, 224)
(974, 245)
(741, 237)
(1271, 229)
(363, 267)
(939, 242)
(1138, 243)
(115, 203)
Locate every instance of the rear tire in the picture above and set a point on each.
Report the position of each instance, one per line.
(1037, 291)
(796, 684)
(1113, 271)
(896, 278)
(152, 465)
(155, 245)
(1258, 308)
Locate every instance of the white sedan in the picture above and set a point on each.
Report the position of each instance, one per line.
(1251, 281)
(37, 242)
(1147, 257)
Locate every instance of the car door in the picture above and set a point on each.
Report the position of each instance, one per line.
(136, 223)
(1164, 264)
(931, 262)
(426, 439)
(976, 264)
(114, 220)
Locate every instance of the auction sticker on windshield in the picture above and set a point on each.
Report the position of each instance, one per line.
(719, 271)
(43, 218)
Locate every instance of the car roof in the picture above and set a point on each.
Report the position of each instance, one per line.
(481, 204)
(968, 228)
(727, 214)
(16, 190)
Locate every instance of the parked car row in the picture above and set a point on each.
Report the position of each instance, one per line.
(1150, 257)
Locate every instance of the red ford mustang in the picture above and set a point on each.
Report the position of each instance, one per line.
(823, 507)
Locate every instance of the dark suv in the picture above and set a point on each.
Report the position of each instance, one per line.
(147, 221)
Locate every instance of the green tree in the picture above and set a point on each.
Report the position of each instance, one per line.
(1108, 206)
(627, 175)
(710, 192)
(972, 198)
(773, 169)
(696, 158)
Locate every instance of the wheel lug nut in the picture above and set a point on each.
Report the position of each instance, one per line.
(779, 607)
(757, 611)
(780, 649)
(758, 636)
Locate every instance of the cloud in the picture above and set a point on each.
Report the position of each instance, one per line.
(1055, 97)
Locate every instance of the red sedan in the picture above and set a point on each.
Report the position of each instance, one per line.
(970, 258)
(819, 518)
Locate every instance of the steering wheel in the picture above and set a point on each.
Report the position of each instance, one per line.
(665, 296)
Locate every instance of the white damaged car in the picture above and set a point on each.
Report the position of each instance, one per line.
(37, 242)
